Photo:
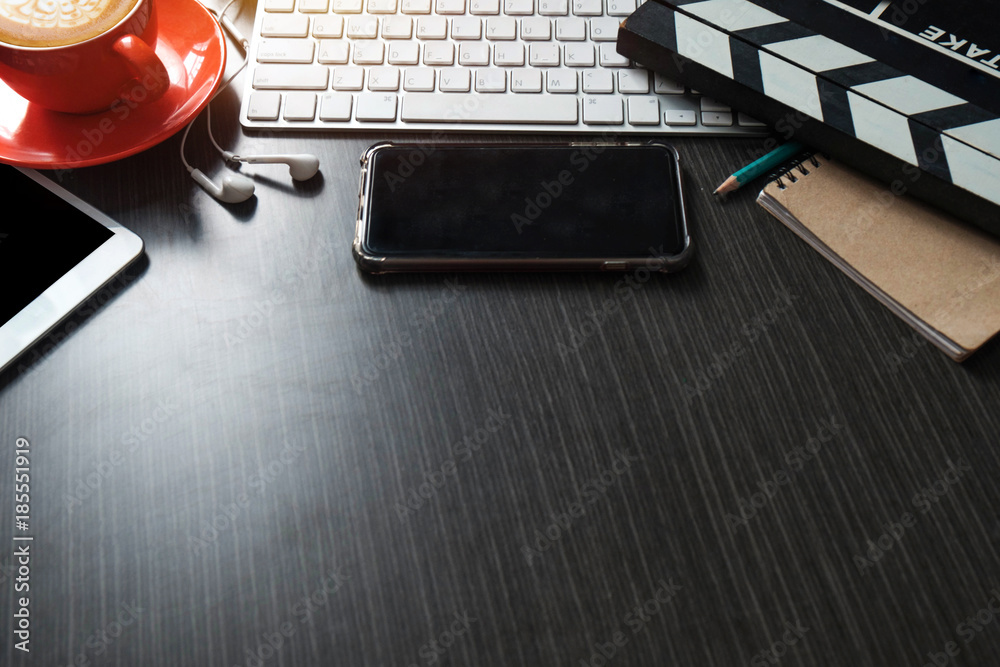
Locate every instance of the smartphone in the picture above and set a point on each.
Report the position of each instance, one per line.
(580, 206)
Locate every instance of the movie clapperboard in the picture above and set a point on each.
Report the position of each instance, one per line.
(912, 99)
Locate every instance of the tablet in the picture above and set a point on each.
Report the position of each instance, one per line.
(55, 252)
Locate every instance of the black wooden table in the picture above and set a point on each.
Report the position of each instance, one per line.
(247, 453)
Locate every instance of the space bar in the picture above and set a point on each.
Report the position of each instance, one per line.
(458, 108)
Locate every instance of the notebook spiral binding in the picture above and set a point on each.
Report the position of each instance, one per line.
(787, 172)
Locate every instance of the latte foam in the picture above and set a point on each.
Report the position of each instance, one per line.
(44, 23)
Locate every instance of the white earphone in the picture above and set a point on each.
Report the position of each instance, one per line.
(236, 188)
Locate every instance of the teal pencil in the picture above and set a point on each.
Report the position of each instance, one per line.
(769, 162)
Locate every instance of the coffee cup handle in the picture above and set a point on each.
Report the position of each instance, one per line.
(151, 78)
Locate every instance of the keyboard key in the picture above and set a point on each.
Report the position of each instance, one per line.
(610, 57)
(439, 53)
(314, 6)
(285, 51)
(378, 107)
(466, 27)
(602, 111)
(383, 78)
(526, 80)
(708, 104)
(416, 6)
(501, 27)
(404, 53)
(369, 53)
(455, 80)
(472, 108)
(643, 111)
(680, 117)
(746, 121)
(347, 6)
(598, 81)
(519, 7)
(543, 55)
(397, 27)
(263, 106)
(536, 28)
(716, 118)
(506, 54)
(300, 106)
(432, 27)
(588, 7)
(290, 77)
(553, 7)
(571, 29)
(333, 52)
(285, 25)
(560, 81)
(362, 27)
(348, 78)
(491, 80)
(603, 29)
(633, 81)
(450, 6)
(578, 55)
(279, 5)
(621, 7)
(664, 86)
(474, 54)
(381, 6)
(330, 26)
(335, 106)
(418, 79)
(479, 7)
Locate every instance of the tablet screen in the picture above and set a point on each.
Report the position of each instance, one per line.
(41, 242)
(55, 252)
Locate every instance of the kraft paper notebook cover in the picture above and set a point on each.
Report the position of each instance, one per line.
(940, 275)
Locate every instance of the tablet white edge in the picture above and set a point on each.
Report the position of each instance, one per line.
(66, 294)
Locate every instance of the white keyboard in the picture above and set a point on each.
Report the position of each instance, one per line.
(464, 65)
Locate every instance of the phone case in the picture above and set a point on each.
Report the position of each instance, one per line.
(374, 263)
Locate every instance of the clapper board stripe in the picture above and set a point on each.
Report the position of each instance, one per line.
(900, 114)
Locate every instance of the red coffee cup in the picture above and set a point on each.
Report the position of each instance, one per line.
(91, 75)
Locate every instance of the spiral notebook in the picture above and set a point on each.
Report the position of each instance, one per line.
(940, 275)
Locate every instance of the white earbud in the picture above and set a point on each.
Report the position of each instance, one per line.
(235, 188)
(302, 166)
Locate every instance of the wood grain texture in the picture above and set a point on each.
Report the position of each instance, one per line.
(226, 447)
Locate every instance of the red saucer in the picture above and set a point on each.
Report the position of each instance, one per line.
(193, 49)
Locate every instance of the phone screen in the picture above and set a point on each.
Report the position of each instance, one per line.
(566, 201)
